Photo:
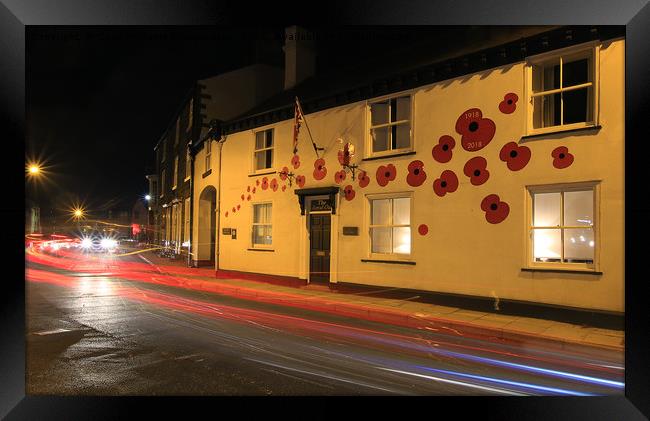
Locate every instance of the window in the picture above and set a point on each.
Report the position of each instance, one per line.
(190, 115)
(188, 165)
(390, 226)
(263, 155)
(186, 232)
(208, 155)
(390, 124)
(563, 225)
(262, 226)
(563, 90)
(174, 180)
(162, 183)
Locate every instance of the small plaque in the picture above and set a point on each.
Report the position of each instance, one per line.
(233, 233)
(226, 231)
(350, 230)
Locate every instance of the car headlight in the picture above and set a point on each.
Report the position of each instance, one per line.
(86, 243)
(108, 243)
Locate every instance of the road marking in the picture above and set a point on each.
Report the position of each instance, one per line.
(52, 332)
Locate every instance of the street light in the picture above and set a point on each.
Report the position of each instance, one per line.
(147, 198)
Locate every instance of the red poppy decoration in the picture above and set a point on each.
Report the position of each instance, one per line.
(442, 152)
(226, 214)
(300, 180)
(447, 183)
(416, 175)
(423, 229)
(319, 169)
(515, 156)
(242, 197)
(238, 207)
(339, 176)
(364, 180)
(265, 183)
(274, 185)
(257, 182)
(476, 170)
(254, 190)
(509, 103)
(561, 157)
(476, 131)
(248, 189)
(295, 161)
(344, 155)
(283, 173)
(385, 174)
(234, 209)
(348, 192)
(248, 197)
(495, 210)
(284, 187)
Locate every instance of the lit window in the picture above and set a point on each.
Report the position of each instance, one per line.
(263, 155)
(390, 226)
(188, 164)
(262, 227)
(562, 91)
(175, 172)
(390, 124)
(186, 232)
(563, 226)
(208, 155)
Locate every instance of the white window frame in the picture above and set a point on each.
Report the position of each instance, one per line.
(369, 225)
(594, 49)
(368, 115)
(561, 188)
(255, 150)
(188, 165)
(253, 224)
(208, 155)
(175, 176)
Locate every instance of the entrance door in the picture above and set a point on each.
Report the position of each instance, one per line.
(319, 247)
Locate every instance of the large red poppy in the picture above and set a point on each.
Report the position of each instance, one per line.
(515, 156)
(495, 210)
(300, 180)
(283, 173)
(348, 192)
(265, 183)
(423, 229)
(295, 161)
(386, 174)
(442, 152)
(476, 170)
(447, 183)
(339, 176)
(319, 169)
(561, 157)
(274, 184)
(416, 175)
(475, 130)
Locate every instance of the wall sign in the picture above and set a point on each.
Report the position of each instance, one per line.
(321, 205)
(350, 230)
(233, 233)
(225, 231)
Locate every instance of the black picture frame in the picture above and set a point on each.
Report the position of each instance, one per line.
(16, 15)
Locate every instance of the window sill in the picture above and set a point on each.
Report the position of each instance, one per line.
(560, 131)
(393, 155)
(558, 270)
(207, 173)
(255, 174)
(395, 262)
(186, 179)
(257, 249)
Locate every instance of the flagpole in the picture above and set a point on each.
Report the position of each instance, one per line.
(307, 125)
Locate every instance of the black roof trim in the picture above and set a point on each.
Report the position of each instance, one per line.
(482, 60)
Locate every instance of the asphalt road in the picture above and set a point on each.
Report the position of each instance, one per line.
(97, 333)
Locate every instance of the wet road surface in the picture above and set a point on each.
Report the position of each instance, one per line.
(95, 328)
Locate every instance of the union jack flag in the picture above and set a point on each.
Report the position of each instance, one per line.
(297, 122)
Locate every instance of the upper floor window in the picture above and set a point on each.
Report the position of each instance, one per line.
(208, 155)
(390, 124)
(563, 90)
(175, 174)
(262, 224)
(390, 226)
(263, 154)
(563, 224)
(188, 164)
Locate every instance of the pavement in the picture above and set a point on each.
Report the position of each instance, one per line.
(500, 327)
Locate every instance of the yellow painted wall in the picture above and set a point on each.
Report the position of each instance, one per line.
(461, 253)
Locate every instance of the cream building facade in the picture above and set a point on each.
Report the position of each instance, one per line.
(505, 183)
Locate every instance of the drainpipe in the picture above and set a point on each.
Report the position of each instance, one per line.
(222, 139)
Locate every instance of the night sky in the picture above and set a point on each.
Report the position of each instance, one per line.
(99, 98)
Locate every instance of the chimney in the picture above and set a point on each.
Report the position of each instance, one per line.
(299, 57)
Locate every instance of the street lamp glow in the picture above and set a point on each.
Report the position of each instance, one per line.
(34, 169)
(147, 198)
(78, 213)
